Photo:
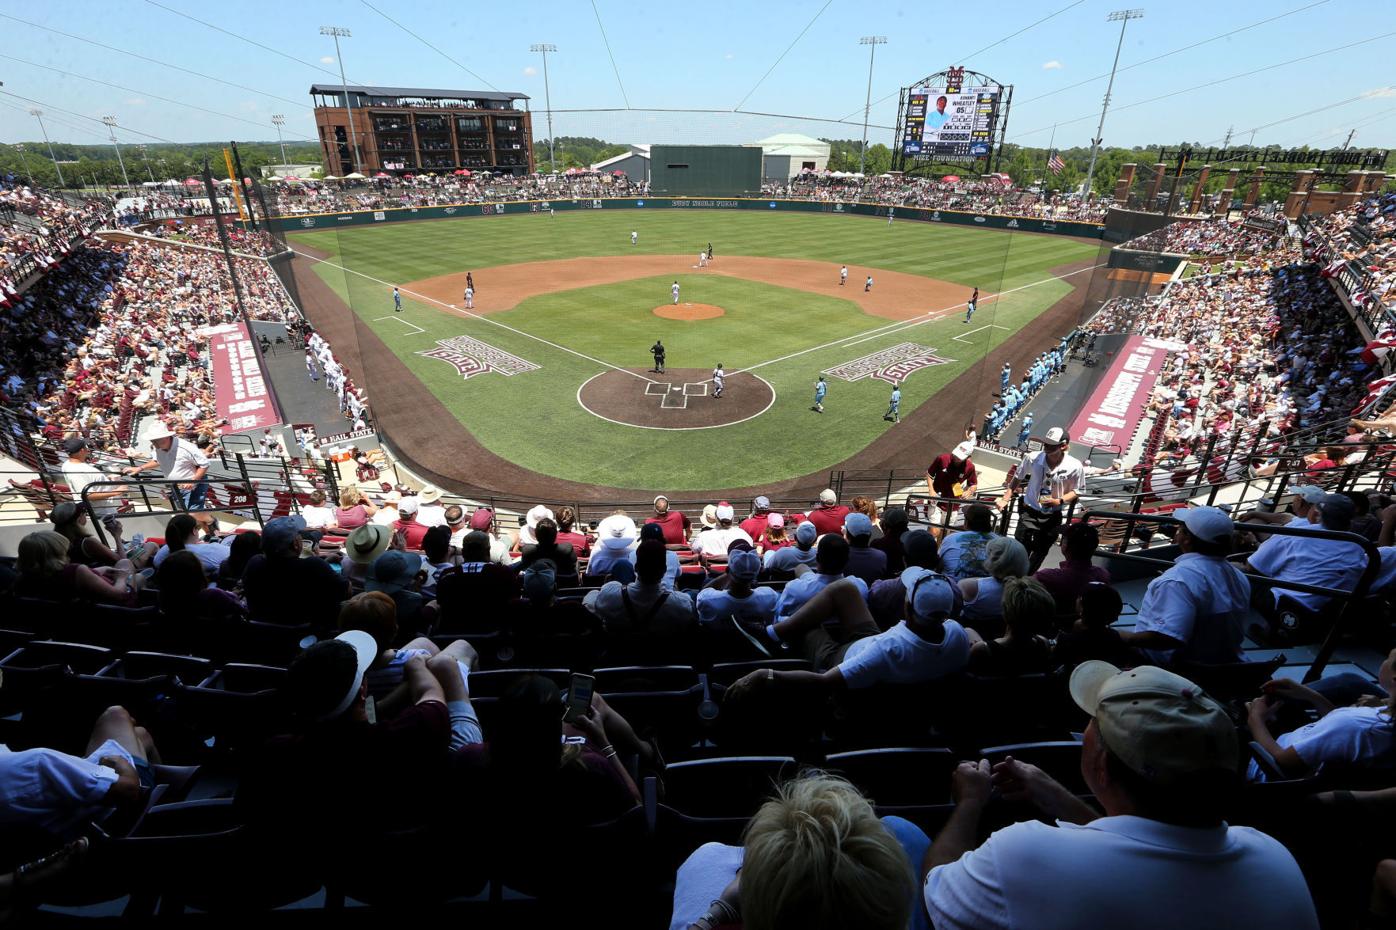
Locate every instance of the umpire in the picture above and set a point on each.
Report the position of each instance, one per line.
(657, 350)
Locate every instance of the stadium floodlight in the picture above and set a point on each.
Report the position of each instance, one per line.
(28, 172)
(110, 123)
(278, 120)
(339, 32)
(39, 115)
(1122, 17)
(545, 48)
(873, 42)
(148, 170)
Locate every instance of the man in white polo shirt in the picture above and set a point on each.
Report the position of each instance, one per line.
(1049, 481)
(1197, 609)
(178, 460)
(1161, 759)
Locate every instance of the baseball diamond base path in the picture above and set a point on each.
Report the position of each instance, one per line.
(680, 398)
(895, 295)
(431, 441)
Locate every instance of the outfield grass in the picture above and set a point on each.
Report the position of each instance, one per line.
(529, 418)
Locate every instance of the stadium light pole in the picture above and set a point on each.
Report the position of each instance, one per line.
(545, 48)
(1122, 17)
(872, 42)
(148, 170)
(110, 123)
(39, 115)
(19, 147)
(337, 32)
(278, 120)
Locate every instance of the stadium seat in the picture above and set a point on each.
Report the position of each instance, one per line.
(1060, 759)
(900, 777)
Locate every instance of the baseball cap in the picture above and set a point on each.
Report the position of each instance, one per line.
(408, 506)
(775, 520)
(535, 513)
(919, 547)
(828, 498)
(743, 563)
(335, 666)
(761, 503)
(539, 580)
(1337, 507)
(1311, 493)
(392, 571)
(1159, 724)
(1208, 524)
(928, 593)
(857, 524)
(1056, 436)
(481, 519)
(652, 531)
(75, 444)
(963, 451)
(806, 533)
(367, 543)
(278, 533)
(724, 511)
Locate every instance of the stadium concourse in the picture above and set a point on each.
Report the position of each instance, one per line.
(253, 683)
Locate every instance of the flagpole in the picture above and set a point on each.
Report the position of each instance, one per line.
(1050, 148)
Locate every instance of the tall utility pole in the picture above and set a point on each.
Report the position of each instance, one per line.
(1226, 143)
(39, 115)
(110, 123)
(141, 149)
(873, 42)
(19, 146)
(339, 32)
(1348, 140)
(278, 120)
(1122, 17)
(545, 48)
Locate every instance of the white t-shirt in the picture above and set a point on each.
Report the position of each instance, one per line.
(317, 517)
(714, 542)
(1330, 563)
(1201, 601)
(1067, 476)
(900, 657)
(1120, 872)
(180, 460)
(715, 605)
(1346, 734)
(78, 475)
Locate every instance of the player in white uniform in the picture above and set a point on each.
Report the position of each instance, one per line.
(634, 237)
(719, 376)
(675, 290)
(843, 276)
(470, 298)
(702, 259)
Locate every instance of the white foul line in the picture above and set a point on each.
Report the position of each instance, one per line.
(890, 328)
(483, 319)
(977, 329)
(380, 319)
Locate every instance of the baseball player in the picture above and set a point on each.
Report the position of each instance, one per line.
(470, 280)
(867, 285)
(675, 290)
(634, 237)
(710, 251)
(1025, 431)
(469, 297)
(719, 376)
(820, 389)
(657, 350)
(889, 216)
(894, 406)
(702, 259)
(397, 300)
(843, 276)
(971, 304)
(1005, 376)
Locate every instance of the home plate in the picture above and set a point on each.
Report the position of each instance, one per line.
(676, 388)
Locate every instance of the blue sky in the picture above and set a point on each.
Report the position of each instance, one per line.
(710, 56)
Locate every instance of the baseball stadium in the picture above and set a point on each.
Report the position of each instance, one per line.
(977, 509)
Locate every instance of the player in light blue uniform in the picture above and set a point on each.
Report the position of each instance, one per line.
(820, 389)
(397, 300)
(1025, 431)
(894, 406)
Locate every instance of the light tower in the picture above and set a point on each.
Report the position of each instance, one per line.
(110, 123)
(339, 32)
(545, 48)
(1122, 17)
(39, 115)
(278, 120)
(873, 42)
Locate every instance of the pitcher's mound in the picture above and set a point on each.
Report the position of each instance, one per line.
(681, 398)
(687, 311)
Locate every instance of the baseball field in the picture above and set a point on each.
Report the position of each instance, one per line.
(550, 372)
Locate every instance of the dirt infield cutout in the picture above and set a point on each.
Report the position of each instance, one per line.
(678, 399)
(689, 312)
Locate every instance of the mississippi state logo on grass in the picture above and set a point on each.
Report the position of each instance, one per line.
(891, 365)
(471, 357)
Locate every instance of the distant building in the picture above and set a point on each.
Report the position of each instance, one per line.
(786, 154)
(634, 163)
(410, 129)
(288, 171)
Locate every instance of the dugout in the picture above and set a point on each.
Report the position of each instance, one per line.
(705, 170)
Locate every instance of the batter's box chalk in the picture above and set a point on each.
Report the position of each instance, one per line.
(695, 389)
(655, 387)
(674, 402)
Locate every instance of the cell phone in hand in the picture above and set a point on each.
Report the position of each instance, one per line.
(579, 692)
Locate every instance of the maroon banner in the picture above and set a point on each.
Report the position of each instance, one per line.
(1113, 413)
(239, 389)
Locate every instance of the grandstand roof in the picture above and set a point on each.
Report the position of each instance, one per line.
(792, 143)
(428, 92)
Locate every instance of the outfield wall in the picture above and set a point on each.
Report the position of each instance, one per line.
(953, 217)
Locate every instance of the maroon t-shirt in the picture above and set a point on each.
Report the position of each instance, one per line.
(828, 519)
(1067, 581)
(580, 545)
(675, 526)
(946, 472)
(416, 532)
(755, 525)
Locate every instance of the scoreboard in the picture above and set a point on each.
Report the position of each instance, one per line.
(951, 121)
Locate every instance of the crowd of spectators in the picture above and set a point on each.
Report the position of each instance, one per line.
(1217, 238)
(252, 241)
(1362, 238)
(988, 195)
(38, 229)
(447, 189)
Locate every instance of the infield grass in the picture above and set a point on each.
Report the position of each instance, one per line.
(534, 419)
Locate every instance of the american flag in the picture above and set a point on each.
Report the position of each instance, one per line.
(1055, 163)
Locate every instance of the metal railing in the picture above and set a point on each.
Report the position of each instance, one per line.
(1341, 616)
(246, 499)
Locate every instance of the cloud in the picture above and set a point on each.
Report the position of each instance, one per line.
(1377, 93)
(135, 102)
(1052, 65)
(326, 59)
(249, 106)
(530, 71)
(729, 56)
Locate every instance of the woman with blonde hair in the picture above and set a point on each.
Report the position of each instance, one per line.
(868, 506)
(45, 571)
(1005, 559)
(815, 856)
(354, 509)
